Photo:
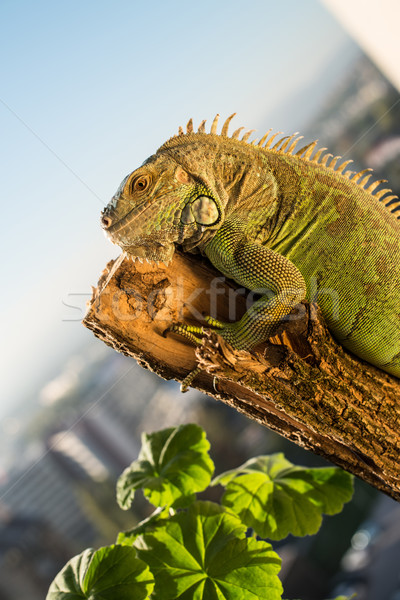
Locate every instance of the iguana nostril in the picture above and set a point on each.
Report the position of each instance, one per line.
(106, 222)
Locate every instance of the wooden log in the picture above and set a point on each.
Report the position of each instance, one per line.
(301, 384)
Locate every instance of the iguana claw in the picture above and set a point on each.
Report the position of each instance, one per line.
(186, 383)
(187, 331)
(215, 323)
(191, 332)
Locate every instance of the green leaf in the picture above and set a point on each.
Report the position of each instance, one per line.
(276, 498)
(109, 573)
(203, 552)
(69, 582)
(126, 538)
(173, 464)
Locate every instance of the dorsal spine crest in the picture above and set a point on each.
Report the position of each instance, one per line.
(287, 145)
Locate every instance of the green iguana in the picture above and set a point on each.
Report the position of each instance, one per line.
(288, 225)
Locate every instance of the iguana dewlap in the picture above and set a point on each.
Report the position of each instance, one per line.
(291, 225)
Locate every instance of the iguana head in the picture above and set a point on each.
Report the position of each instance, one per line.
(181, 193)
(170, 199)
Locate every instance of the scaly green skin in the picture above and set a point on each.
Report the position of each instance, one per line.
(284, 224)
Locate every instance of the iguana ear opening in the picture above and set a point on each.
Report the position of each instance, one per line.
(203, 210)
(181, 175)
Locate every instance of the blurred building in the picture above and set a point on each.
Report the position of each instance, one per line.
(369, 567)
(360, 120)
(42, 492)
(31, 554)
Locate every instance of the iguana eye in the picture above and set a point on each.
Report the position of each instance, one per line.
(140, 184)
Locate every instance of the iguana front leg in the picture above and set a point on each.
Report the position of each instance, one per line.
(259, 269)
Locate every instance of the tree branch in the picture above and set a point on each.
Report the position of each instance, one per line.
(301, 384)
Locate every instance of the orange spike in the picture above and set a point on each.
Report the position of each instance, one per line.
(189, 126)
(333, 162)
(308, 149)
(180, 131)
(311, 148)
(271, 139)
(391, 200)
(247, 135)
(319, 154)
(374, 185)
(361, 173)
(279, 142)
(294, 144)
(325, 159)
(214, 124)
(382, 193)
(226, 124)
(264, 137)
(236, 133)
(288, 140)
(343, 166)
(364, 180)
(202, 126)
(254, 142)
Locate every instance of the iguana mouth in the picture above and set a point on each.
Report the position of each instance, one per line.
(149, 248)
(153, 253)
(111, 226)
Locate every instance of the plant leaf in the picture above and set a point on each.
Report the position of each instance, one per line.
(108, 573)
(203, 553)
(126, 538)
(67, 585)
(173, 464)
(276, 498)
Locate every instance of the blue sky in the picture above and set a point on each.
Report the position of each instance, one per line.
(88, 91)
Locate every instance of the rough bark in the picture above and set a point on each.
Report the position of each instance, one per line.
(301, 384)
